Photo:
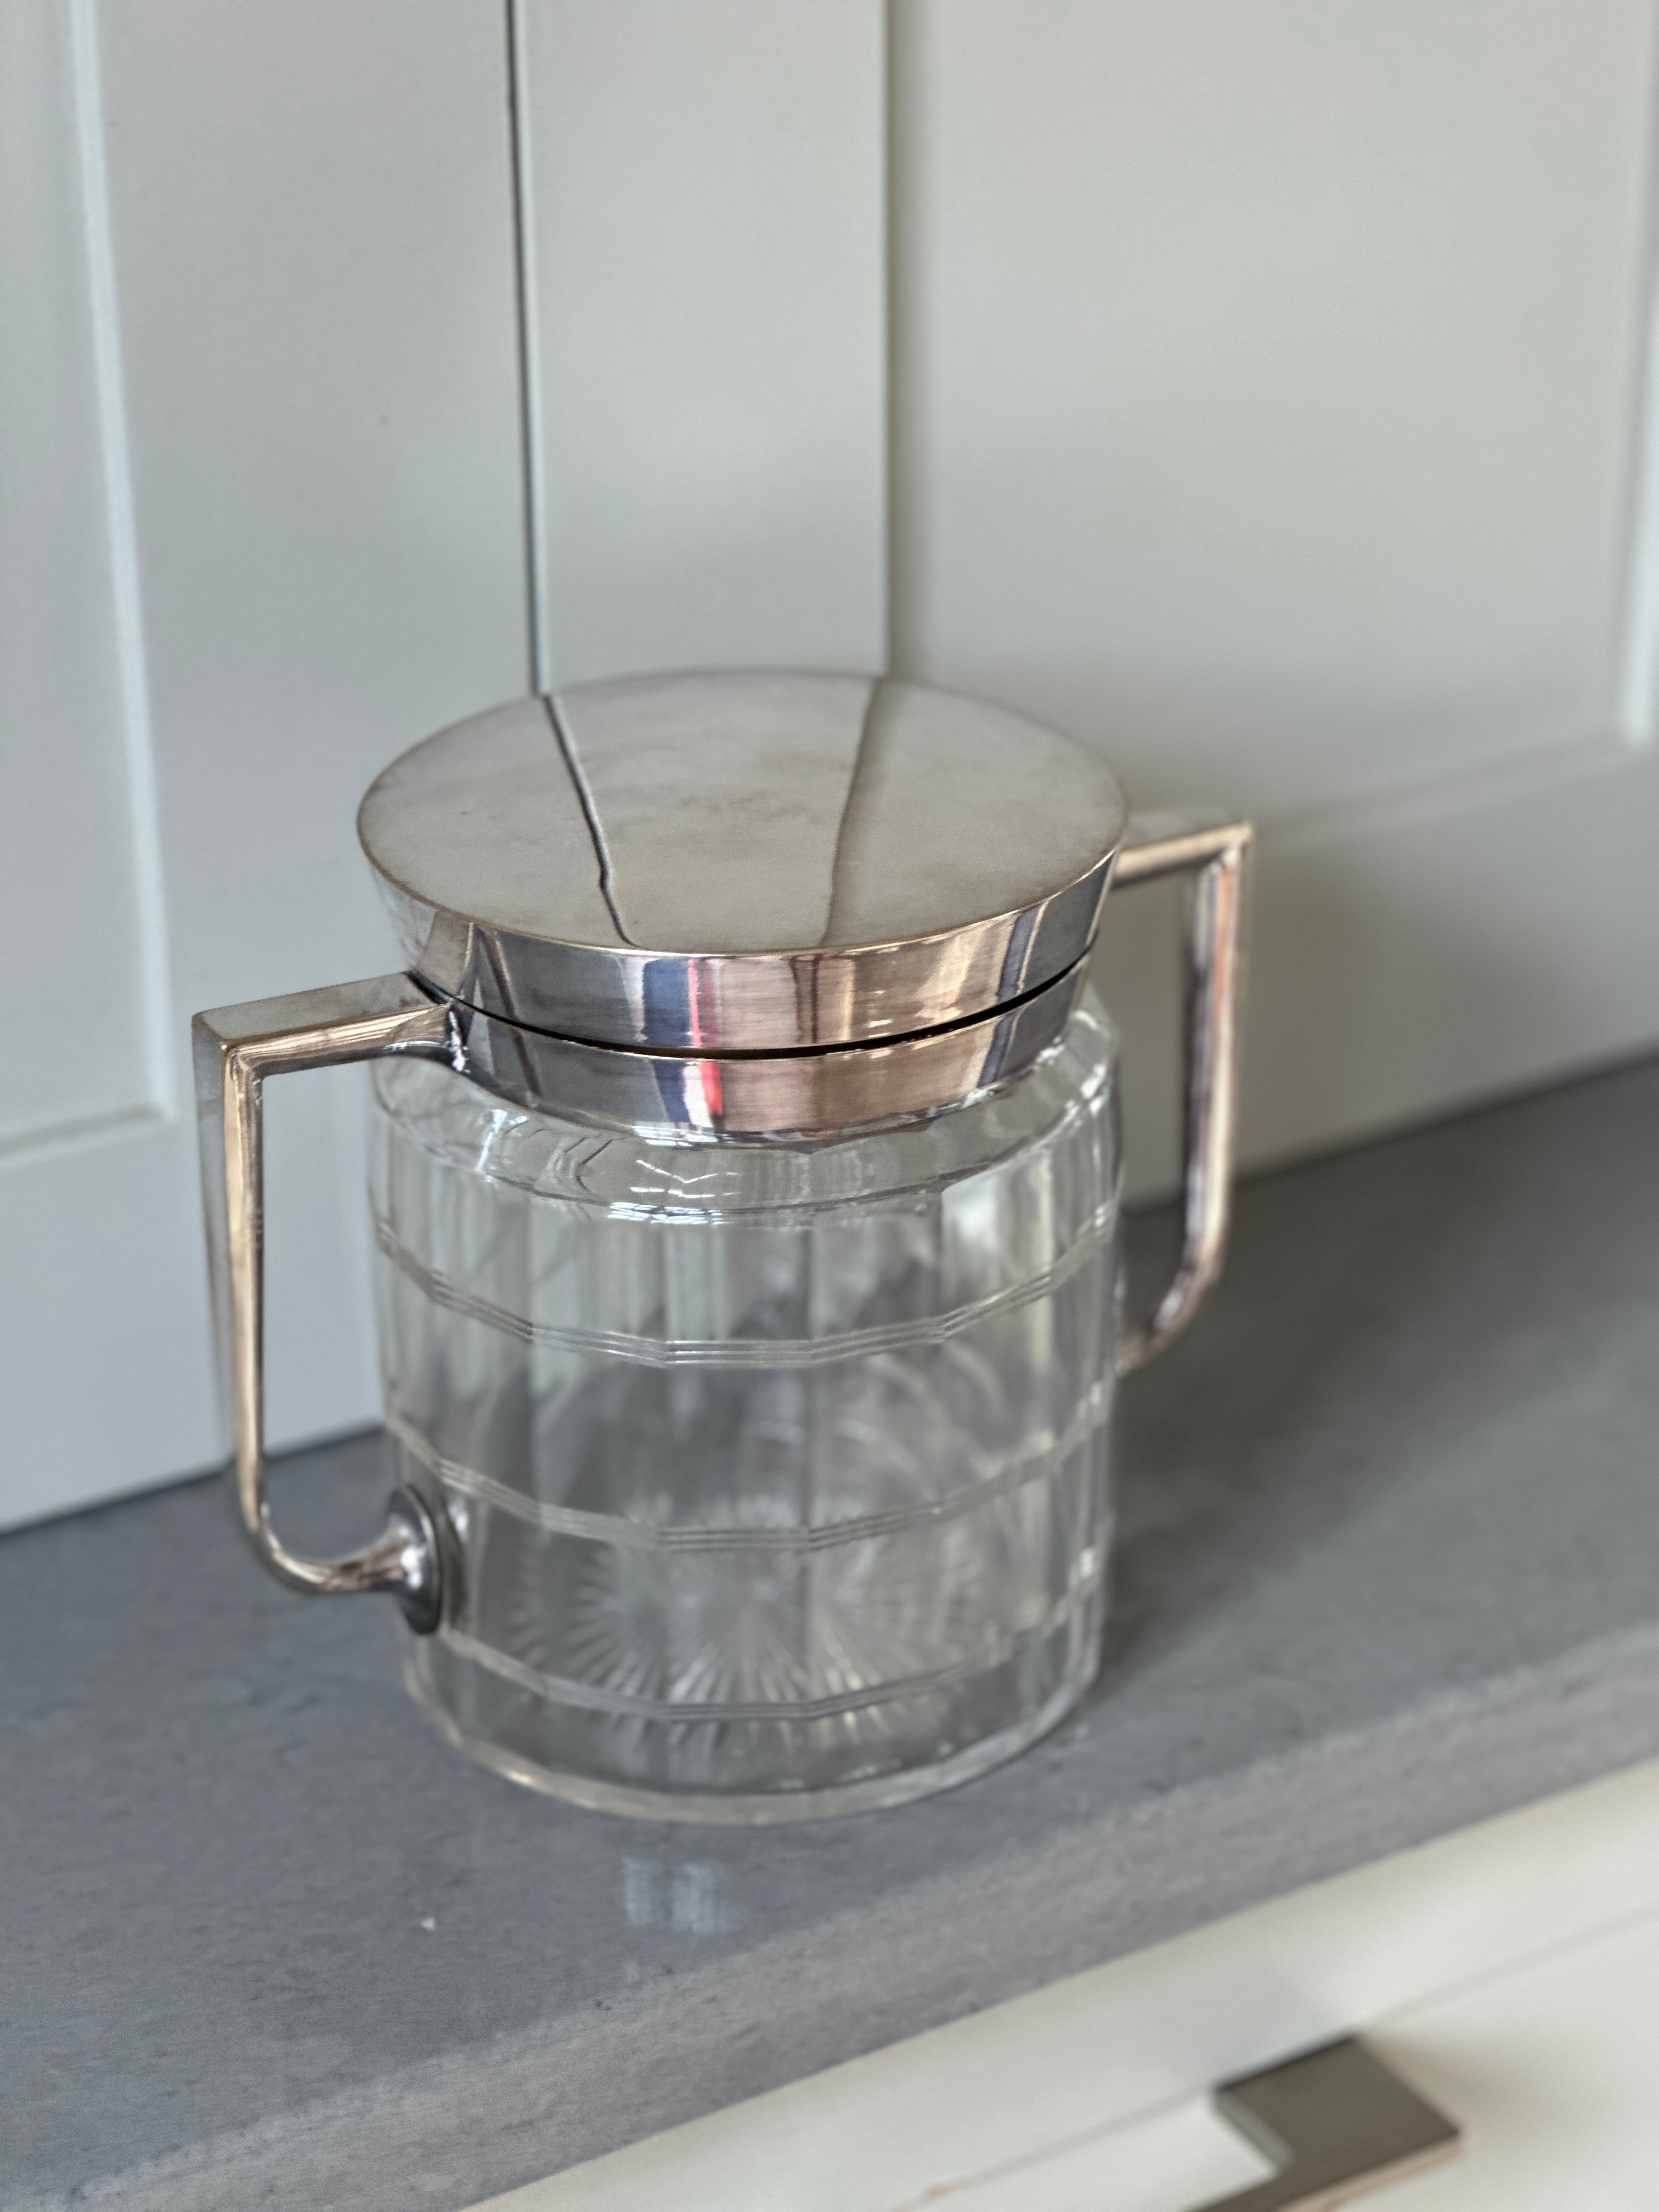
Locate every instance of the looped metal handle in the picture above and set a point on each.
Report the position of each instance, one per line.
(236, 1048)
(1216, 858)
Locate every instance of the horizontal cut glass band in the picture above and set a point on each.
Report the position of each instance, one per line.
(818, 1536)
(627, 1705)
(748, 1350)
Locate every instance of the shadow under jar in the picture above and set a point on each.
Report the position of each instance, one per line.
(745, 1183)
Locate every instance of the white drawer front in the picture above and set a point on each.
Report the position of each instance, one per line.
(1550, 2071)
(1510, 1973)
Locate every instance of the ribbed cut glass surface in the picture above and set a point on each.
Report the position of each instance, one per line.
(776, 1476)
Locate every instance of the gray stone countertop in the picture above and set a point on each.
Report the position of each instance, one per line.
(1389, 1563)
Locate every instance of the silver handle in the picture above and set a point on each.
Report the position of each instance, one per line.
(1216, 858)
(236, 1048)
(1336, 2122)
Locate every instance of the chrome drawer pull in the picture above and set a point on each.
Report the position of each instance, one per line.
(1336, 2122)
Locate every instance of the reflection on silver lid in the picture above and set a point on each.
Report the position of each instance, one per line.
(743, 861)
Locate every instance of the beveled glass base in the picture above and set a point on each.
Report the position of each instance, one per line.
(758, 1809)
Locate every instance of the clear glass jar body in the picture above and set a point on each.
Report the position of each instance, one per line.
(774, 1476)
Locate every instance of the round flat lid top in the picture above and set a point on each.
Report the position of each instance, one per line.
(743, 861)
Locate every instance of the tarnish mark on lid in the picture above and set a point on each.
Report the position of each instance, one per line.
(878, 691)
(595, 829)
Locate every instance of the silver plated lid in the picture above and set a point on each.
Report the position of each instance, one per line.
(742, 862)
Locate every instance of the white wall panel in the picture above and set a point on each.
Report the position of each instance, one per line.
(706, 243)
(1265, 375)
(77, 878)
(1255, 390)
(1453, 945)
(1266, 410)
(311, 214)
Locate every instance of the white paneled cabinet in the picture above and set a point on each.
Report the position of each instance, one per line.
(282, 416)
(1266, 376)
(1266, 400)
(705, 220)
(78, 784)
(1256, 390)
